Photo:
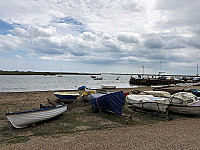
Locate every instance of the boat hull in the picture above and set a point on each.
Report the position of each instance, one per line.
(66, 95)
(151, 106)
(187, 110)
(148, 102)
(23, 119)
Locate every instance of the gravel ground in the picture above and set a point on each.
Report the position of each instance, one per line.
(175, 134)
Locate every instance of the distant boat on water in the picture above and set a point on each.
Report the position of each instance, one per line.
(92, 76)
(59, 75)
(117, 78)
(108, 86)
(98, 78)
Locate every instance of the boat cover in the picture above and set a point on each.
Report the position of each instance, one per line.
(158, 93)
(112, 101)
(183, 98)
(145, 98)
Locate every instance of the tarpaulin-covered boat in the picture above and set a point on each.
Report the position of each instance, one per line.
(23, 119)
(184, 103)
(112, 101)
(148, 102)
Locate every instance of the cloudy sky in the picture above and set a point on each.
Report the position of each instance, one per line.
(118, 36)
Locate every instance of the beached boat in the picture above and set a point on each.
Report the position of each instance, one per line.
(148, 102)
(87, 93)
(25, 118)
(195, 92)
(66, 95)
(158, 93)
(108, 87)
(184, 103)
(111, 102)
(171, 91)
(82, 87)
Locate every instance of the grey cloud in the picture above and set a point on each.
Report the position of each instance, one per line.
(111, 46)
(127, 39)
(179, 13)
(153, 43)
(88, 36)
(194, 41)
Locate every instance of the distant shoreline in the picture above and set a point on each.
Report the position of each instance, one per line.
(42, 73)
(2, 72)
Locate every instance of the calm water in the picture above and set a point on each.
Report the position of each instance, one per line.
(21, 83)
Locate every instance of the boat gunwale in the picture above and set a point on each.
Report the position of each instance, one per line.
(36, 110)
(176, 105)
(67, 94)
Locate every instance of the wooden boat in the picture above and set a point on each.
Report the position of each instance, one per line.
(66, 95)
(125, 94)
(184, 103)
(82, 87)
(108, 87)
(171, 91)
(86, 94)
(158, 93)
(25, 118)
(148, 102)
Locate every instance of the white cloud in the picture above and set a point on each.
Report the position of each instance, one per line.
(18, 56)
(102, 32)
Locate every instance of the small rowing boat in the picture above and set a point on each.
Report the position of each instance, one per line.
(184, 103)
(25, 118)
(66, 95)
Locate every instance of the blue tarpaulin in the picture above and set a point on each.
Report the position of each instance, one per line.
(111, 101)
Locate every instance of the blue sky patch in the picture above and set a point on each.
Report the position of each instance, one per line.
(69, 20)
(4, 27)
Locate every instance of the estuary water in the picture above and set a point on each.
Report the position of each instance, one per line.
(22, 83)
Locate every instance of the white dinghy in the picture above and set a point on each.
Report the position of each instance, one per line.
(148, 102)
(184, 103)
(25, 118)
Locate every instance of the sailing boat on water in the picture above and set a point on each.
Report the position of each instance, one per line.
(60, 75)
(93, 76)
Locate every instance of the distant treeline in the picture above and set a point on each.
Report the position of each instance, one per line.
(39, 73)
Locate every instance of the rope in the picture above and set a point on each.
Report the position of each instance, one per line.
(97, 104)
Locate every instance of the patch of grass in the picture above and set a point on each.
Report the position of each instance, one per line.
(19, 139)
(11, 135)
